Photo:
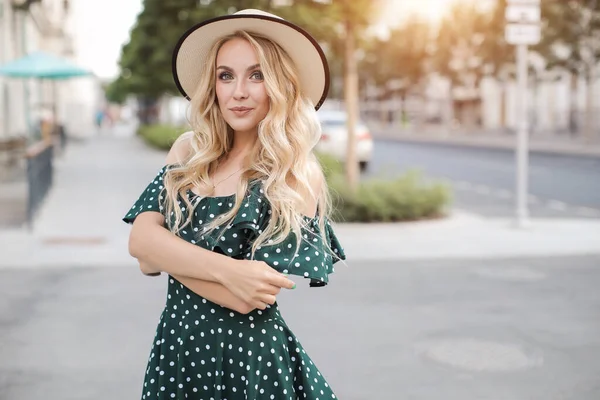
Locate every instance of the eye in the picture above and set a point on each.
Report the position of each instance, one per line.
(257, 75)
(225, 76)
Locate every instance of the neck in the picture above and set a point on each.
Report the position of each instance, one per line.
(242, 143)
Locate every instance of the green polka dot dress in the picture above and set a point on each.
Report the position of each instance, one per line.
(204, 351)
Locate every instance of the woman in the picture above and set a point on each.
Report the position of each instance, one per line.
(240, 204)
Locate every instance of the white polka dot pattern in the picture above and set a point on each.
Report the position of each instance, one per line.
(204, 351)
(313, 260)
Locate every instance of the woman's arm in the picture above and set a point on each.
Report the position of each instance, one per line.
(241, 285)
(217, 277)
(216, 293)
(212, 291)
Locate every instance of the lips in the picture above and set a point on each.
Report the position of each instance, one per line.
(241, 111)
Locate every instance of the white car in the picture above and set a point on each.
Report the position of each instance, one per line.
(335, 135)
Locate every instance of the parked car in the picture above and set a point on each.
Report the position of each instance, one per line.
(334, 138)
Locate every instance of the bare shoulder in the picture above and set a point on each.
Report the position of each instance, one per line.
(180, 150)
(316, 181)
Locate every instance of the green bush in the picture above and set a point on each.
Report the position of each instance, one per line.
(407, 198)
(331, 166)
(160, 136)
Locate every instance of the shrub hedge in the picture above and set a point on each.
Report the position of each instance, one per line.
(406, 198)
(160, 137)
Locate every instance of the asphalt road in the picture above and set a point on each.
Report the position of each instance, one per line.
(484, 179)
(495, 330)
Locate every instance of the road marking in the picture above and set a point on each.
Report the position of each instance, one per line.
(503, 193)
(557, 205)
(588, 212)
(481, 189)
(463, 185)
(533, 199)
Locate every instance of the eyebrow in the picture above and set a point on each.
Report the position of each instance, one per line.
(255, 66)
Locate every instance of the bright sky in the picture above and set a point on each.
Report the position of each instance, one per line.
(101, 27)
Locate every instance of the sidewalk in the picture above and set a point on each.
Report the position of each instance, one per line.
(99, 179)
(538, 142)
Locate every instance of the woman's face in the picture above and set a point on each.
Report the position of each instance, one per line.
(240, 88)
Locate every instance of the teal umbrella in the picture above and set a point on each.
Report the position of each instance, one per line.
(43, 66)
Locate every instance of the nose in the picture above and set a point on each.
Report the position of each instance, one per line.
(241, 91)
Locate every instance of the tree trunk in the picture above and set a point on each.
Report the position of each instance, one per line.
(351, 99)
(383, 112)
(450, 112)
(422, 106)
(573, 125)
(503, 105)
(589, 128)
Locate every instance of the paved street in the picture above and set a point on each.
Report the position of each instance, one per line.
(496, 330)
(459, 308)
(484, 179)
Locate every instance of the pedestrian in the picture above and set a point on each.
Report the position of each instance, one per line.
(240, 204)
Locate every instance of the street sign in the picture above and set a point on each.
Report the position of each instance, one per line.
(527, 34)
(523, 13)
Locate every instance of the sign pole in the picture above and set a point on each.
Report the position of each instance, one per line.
(522, 29)
(522, 156)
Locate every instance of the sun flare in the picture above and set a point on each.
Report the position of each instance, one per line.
(396, 11)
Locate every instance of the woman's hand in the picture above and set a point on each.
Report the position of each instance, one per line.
(254, 282)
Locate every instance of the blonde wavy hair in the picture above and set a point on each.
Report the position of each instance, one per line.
(282, 157)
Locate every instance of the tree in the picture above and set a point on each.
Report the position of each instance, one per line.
(340, 24)
(116, 91)
(145, 62)
(402, 58)
(460, 54)
(498, 56)
(571, 41)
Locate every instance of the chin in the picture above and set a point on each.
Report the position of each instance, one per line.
(242, 127)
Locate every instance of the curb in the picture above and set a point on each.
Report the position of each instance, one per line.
(460, 236)
(492, 143)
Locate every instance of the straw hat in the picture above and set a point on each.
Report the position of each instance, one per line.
(192, 49)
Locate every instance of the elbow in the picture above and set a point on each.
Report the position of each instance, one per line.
(134, 244)
(142, 230)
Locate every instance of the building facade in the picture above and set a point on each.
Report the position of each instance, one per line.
(27, 26)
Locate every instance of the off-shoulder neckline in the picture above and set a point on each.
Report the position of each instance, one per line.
(232, 196)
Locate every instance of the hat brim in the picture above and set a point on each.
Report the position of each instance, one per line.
(189, 55)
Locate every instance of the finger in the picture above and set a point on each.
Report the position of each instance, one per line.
(259, 305)
(267, 299)
(270, 289)
(283, 281)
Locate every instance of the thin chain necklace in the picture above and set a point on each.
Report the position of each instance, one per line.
(214, 185)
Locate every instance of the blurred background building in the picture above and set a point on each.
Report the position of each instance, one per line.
(27, 26)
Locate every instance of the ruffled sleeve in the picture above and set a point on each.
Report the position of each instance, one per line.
(151, 198)
(314, 259)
